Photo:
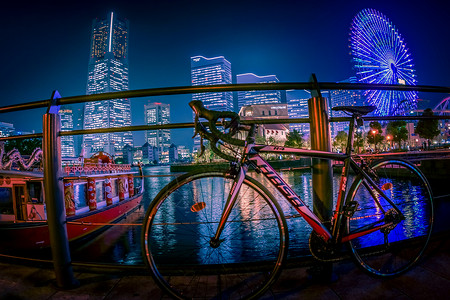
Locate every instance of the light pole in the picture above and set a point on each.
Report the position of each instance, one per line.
(374, 133)
(388, 138)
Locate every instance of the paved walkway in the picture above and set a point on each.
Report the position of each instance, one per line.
(430, 279)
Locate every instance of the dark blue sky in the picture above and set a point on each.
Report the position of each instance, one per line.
(45, 44)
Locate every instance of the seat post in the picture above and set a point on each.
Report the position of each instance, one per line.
(351, 134)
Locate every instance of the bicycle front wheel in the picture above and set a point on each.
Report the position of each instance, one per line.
(403, 237)
(183, 218)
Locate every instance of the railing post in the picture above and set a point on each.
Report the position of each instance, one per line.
(322, 177)
(54, 197)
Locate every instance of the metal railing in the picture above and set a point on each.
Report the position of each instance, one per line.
(51, 146)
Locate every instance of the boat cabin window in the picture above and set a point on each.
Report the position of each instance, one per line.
(100, 191)
(6, 202)
(35, 192)
(115, 187)
(79, 191)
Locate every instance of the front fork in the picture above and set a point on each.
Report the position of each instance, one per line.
(215, 241)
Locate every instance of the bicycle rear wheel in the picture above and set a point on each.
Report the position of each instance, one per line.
(395, 248)
(182, 219)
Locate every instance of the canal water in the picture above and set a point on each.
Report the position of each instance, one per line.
(122, 244)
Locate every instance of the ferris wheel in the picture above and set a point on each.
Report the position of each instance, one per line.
(380, 56)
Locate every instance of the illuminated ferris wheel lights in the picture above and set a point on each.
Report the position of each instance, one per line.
(380, 55)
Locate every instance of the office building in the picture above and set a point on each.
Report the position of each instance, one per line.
(297, 102)
(257, 96)
(108, 72)
(67, 124)
(344, 98)
(211, 71)
(6, 129)
(150, 154)
(158, 114)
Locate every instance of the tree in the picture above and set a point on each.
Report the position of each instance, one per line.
(24, 146)
(428, 128)
(359, 141)
(340, 141)
(375, 135)
(294, 139)
(398, 131)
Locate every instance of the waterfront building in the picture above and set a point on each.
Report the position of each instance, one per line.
(297, 103)
(150, 154)
(275, 132)
(6, 129)
(67, 124)
(128, 154)
(211, 71)
(344, 98)
(256, 96)
(108, 72)
(173, 153)
(183, 153)
(157, 113)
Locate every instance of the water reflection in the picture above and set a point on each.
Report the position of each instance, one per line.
(251, 232)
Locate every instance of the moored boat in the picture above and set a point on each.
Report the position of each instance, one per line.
(97, 192)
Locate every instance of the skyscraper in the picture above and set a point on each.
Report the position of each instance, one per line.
(297, 101)
(158, 114)
(108, 72)
(67, 142)
(344, 98)
(209, 71)
(257, 97)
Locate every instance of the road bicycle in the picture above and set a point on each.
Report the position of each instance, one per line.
(218, 233)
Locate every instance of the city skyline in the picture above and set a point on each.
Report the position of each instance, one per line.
(287, 38)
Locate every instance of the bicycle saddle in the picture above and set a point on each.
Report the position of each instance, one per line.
(356, 110)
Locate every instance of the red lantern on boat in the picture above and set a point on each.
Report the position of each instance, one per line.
(69, 201)
(130, 186)
(108, 191)
(91, 194)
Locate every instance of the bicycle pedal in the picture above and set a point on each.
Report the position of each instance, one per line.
(350, 208)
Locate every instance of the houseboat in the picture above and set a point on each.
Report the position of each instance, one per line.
(97, 192)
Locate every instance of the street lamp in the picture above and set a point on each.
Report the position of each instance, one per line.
(388, 138)
(374, 132)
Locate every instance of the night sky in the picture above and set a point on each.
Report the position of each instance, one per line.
(45, 45)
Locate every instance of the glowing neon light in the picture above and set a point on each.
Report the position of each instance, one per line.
(380, 56)
(110, 32)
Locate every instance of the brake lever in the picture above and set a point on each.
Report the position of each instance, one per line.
(195, 126)
(202, 147)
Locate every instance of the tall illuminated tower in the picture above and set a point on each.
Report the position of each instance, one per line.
(158, 114)
(108, 72)
(210, 71)
(257, 97)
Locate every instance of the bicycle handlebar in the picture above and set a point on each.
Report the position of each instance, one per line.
(215, 135)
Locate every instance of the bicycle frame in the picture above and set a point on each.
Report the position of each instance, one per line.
(251, 157)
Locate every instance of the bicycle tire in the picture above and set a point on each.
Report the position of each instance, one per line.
(183, 217)
(395, 249)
